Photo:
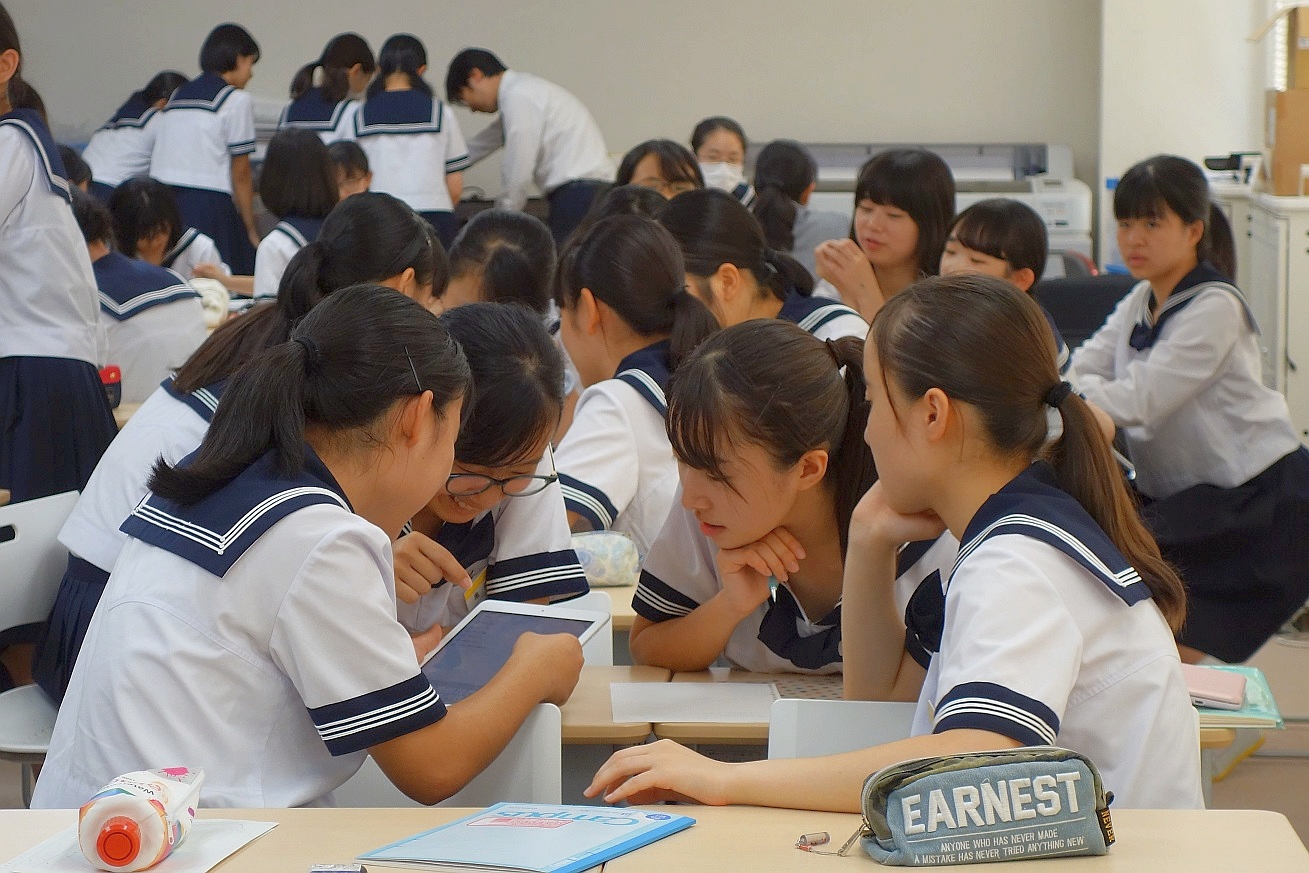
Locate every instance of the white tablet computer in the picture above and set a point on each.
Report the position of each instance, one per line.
(477, 647)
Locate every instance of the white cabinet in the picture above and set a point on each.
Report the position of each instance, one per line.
(1276, 282)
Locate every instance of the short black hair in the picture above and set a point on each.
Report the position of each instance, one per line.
(919, 182)
(224, 44)
(76, 170)
(462, 66)
(142, 207)
(676, 162)
(297, 176)
(713, 123)
(161, 86)
(1006, 229)
(93, 218)
(349, 156)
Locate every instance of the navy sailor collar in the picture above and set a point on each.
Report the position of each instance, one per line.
(202, 401)
(310, 111)
(134, 113)
(647, 371)
(471, 541)
(301, 231)
(1033, 505)
(128, 286)
(29, 123)
(214, 533)
(811, 313)
(207, 92)
(1149, 323)
(183, 242)
(409, 111)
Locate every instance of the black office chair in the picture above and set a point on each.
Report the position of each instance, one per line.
(1080, 305)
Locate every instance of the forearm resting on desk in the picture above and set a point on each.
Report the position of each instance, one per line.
(685, 644)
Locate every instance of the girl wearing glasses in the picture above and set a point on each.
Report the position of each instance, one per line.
(498, 527)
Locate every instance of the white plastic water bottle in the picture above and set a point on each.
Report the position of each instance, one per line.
(138, 819)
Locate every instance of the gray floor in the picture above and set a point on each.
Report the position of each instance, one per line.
(1259, 782)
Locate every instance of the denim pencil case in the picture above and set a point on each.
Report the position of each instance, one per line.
(1009, 805)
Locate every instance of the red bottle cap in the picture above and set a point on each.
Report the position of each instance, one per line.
(119, 841)
(111, 374)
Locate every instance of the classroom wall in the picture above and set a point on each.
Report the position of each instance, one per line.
(823, 70)
(1178, 76)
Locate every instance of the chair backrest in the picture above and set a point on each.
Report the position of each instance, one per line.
(527, 771)
(1079, 305)
(809, 728)
(599, 650)
(32, 562)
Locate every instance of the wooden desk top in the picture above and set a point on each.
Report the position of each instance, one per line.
(623, 614)
(588, 716)
(739, 838)
(124, 412)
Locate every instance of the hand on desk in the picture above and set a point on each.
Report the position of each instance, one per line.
(661, 771)
(421, 563)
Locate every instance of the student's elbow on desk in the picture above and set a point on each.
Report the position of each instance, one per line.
(655, 644)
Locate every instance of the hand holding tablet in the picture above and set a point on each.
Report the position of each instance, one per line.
(475, 650)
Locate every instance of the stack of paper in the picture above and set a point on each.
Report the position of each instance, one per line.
(1259, 711)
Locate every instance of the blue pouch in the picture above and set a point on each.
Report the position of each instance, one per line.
(1009, 805)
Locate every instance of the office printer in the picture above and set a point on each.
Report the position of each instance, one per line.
(1038, 174)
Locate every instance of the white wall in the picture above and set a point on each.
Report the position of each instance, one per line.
(820, 70)
(1178, 76)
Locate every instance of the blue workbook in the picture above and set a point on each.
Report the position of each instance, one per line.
(533, 838)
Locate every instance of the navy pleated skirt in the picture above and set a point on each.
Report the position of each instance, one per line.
(55, 423)
(56, 650)
(1243, 553)
(445, 224)
(214, 214)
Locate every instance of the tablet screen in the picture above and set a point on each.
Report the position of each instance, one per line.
(471, 657)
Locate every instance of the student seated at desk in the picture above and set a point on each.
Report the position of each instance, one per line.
(499, 519)
(785, 176)
(350, 164)
(249, 625)
(148, 225)
(660, 165)
(719, 144)
(502, 256)
(298, 186)
(766, 431)
(152, 318)
(1054, 625)
(627, 322)
(369, 238)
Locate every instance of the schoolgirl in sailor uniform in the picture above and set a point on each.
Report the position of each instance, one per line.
(54, 416)
(739, 277)
(904, 200)
(1219, 462)
(749, 565)
(121, 148)
(785, 175)
(153, 319)
(148, 225)
(719, 144)
(289, 665)
(1006, 239)
(414, 146)
(1054, 624)
(499, 521)
(660, 165)
(347, 66)
(297, 185)
(375, 238)
(627, 323)
(203, 142)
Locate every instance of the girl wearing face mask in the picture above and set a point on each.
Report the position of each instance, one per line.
(765, 422)
(719, 144)
(499, 518)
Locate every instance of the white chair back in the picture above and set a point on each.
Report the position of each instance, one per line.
(599, 650)
(527, 771)
(32, 562)
(809, 728)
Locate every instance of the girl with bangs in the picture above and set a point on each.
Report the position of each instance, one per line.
(904, 199)
(660, 165)
(1219, 461)
(765, 421)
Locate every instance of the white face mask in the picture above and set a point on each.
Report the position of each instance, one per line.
(724, 177)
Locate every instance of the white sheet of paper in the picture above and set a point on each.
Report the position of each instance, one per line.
(716, 702)
(210, 841)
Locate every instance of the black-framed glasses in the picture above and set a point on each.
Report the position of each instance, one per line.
(472, 484)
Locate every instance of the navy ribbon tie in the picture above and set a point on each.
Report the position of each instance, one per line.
(780, 632)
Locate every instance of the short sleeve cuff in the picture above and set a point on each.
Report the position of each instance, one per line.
(589, 502)
(552, 575)
(656, 600)
(989, 707)
(236, 149)
(373, 718)
(455, 165)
